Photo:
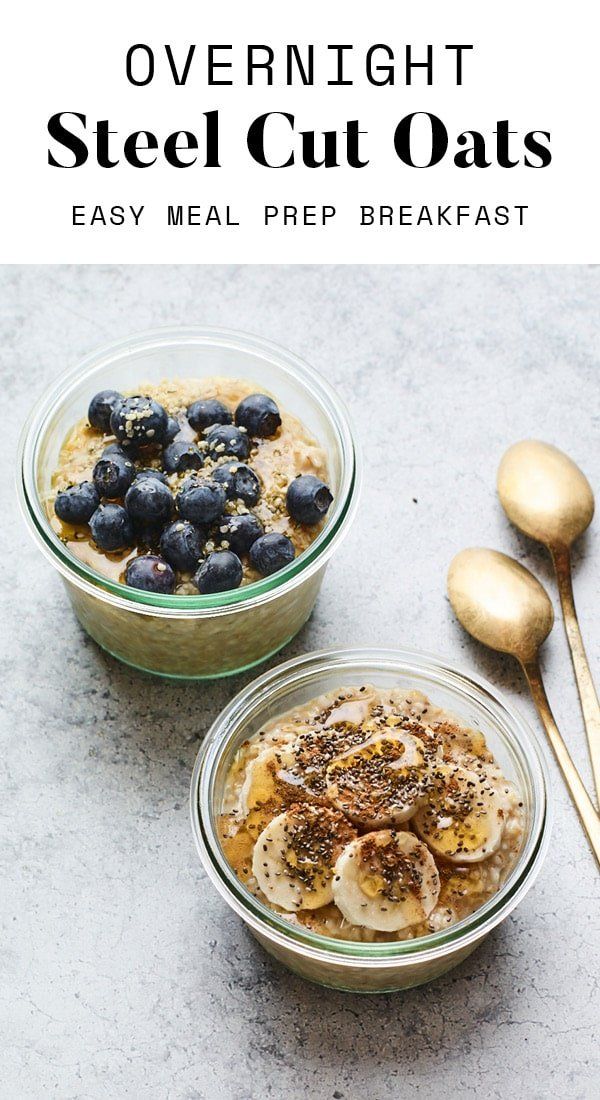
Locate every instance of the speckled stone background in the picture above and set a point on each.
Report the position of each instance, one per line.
(123, 973)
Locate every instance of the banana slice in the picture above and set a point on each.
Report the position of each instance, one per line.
(462, 887)
(386, 880)
(267, 789)
(351, 713)
(382, 782)
(294, 856)
(295, 771)
(311, 754)
(463, 820)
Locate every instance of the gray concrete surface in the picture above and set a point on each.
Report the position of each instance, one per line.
(123, 974)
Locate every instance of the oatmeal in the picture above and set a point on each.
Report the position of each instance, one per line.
(190, 486)
(370, 816)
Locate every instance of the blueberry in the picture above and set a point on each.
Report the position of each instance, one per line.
(259, 415)
(220, 572)
(115, 449)
(113, 475)
(101, 408)
(239, 481)
(182, 455)
(149, 471)
(271, 552)
(204, 413)
(147, 535)
(201, 501)
(308, 499)
(172, 430)
(240, 531)
(225, 439)
(139, 420)
(181, 545)
(77, 503)
(111, 527)
(149, 503)
(151, 574)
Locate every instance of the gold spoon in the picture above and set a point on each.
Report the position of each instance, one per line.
(502, 604)
(548, 497)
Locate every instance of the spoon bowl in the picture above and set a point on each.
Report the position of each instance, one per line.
(544, 493)
(548, 497)
(500, 602)
(502, 605)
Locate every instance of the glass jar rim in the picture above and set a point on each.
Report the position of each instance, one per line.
(259, 592)
(264, 920)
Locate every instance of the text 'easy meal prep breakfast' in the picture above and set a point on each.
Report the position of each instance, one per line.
(370, 815)
(196, 486)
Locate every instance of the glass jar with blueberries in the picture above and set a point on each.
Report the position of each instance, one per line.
(190, 546)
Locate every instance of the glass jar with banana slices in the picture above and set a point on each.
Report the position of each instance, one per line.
(368, 804)
(370, 815)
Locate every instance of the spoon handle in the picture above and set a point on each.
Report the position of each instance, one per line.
(585, 685)
(582, 800)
